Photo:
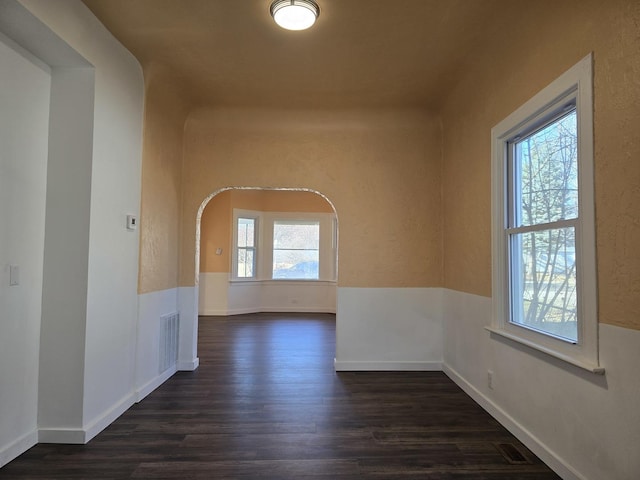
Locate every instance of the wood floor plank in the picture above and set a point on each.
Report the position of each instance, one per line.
(266, 404)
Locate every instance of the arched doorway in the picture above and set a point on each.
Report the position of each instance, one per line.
(273, 271)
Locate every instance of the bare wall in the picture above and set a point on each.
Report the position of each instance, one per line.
(548, 38)
(381, 170)
(164, 116)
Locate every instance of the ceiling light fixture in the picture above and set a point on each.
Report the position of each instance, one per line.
(295, 14)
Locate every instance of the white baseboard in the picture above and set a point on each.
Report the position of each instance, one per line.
(217, 312)
(242, 311)
(74, 436)
(81, 436)
(542, 451)
(298, 310)
(154, 383)
(18, 447)
(108, 417)
(245, 311)
(189, 366)
(347, 366)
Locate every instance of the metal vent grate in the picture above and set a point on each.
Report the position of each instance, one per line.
(512, 454)
(168, 341)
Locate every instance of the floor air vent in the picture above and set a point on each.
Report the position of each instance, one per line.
(168, 341)
(512, 454)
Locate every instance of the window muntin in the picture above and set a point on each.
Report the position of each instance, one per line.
(296, 249)
(246, 247)
(565, 224)
(542, 165)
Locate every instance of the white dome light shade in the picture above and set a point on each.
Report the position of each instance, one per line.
(295, 14)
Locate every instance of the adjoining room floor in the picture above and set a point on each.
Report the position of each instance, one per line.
(266, 403)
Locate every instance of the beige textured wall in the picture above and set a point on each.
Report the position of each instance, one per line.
(291, 201)
(215, 224)
(215, 232)
(519, 59)
(380, 169)
(165, 113)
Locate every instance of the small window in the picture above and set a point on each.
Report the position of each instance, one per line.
(296, 249)
(246, 247)
(544, 269)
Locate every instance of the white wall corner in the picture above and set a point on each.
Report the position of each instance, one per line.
(213, 293)
(80, 436)
(584, 426)
(107, 417)
(534, 444)
(143, 390)
(188, 337)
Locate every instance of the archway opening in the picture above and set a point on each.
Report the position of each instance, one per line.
(266, 250)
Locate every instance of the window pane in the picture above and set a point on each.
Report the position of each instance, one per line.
(292, 235)
(246, 232)
(296, 249)
(245, 262)
(546, 174)
(295, 264)
(544, 281)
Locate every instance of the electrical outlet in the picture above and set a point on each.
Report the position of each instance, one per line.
(490, 379)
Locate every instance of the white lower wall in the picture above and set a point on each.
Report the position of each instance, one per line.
(389, 329)
(243, 297)
(219, 296)
(582, 425)
(213, 298)
(188, 335)
(66, 264)
(24, 125)
(292, 296)
(151, 306)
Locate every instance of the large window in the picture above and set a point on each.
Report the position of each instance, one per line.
(543, 222)
(284, 246)
(296, 249)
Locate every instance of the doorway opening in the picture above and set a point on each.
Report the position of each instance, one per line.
(266, 250)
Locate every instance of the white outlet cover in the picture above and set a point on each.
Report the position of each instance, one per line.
(14, 275)
(132, 222)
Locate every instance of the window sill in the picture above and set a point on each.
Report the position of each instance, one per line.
(244, 281)
(298, 281)
(282, 281)
(590, 367)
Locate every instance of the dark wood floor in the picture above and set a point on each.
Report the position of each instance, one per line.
(266, 404)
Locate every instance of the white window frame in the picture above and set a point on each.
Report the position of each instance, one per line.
(256, 216)
(327, 257)
(575, 85)
(263, 268)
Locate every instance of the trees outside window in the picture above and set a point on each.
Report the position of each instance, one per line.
(543, 169)
(296, 249)
(246, 233)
